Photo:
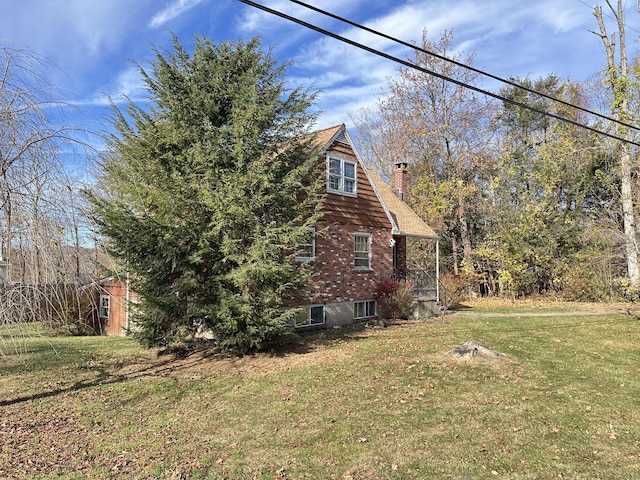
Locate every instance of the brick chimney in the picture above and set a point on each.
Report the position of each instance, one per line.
(399, 181)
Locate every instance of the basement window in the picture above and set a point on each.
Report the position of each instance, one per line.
(312, 315)
(364, 309)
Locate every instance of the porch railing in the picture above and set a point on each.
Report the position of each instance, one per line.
(423, 284)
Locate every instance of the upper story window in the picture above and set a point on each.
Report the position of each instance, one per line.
(341, 176)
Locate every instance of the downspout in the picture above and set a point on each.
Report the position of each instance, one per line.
(438, 270)
(126, 305)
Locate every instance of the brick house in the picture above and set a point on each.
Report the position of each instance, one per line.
(359, 241)
(113, 300)
(361, 237)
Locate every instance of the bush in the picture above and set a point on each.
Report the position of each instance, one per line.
(394, 300)
(73, 311)
(455, 289)
(581, 285)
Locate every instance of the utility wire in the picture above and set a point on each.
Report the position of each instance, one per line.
(607, 15)
(460, 64)
(430, 72)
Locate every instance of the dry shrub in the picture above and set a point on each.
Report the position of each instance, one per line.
(74, 311)
(394, 300)
(455, 289)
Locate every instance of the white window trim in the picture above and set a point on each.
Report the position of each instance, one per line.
(104, 306)
(340, 190)
(368, 237)
(301, 259)
(308, 323)
(367, 314)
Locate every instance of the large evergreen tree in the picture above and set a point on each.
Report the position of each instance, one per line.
(207, 192)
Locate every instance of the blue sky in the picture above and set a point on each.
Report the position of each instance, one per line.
(92, 43)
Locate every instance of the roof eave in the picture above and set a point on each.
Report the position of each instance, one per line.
(402, 233)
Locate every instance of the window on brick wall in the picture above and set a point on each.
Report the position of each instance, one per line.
(306, 250)
(341, 176)
(364, 309)
(105, 302)
(362, 251)
(312, 315)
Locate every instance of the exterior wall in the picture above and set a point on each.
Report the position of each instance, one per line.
(116, 324)
(400, 267)
(336, 278)
(363, 209)
(337, 283)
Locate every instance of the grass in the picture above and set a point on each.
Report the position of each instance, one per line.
(350, 404)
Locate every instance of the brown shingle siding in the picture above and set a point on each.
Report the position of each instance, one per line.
(364, 208)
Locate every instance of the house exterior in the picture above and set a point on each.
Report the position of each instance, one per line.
(360, 239)
(359, 242)
(113, 303)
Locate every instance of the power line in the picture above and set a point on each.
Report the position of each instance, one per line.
(431, 72)
(460, 64)
(607, 15)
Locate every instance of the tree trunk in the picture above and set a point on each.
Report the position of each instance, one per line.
(454, 251)
(467, 251)
(626, 199)
(617, 77)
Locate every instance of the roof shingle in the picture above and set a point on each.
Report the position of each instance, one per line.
(406, 221)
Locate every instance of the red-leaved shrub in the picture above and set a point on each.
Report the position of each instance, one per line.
(394, 299)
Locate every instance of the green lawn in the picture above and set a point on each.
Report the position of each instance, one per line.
(355, 403)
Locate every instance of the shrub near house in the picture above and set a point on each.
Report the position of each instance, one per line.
(394, 299)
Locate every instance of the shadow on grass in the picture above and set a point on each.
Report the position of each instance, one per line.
(458, 307)
(305, 342)
(308, 341)
(104, 377)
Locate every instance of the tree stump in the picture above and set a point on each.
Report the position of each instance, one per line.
(471, 349)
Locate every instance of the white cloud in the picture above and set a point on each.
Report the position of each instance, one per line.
(171, 11)
(508, 38)
(254, 19)
(127, 84)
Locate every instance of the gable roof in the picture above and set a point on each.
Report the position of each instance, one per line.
(405, 221)
(323, 139)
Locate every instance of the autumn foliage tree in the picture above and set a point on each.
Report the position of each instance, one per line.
(538, 199)
(524, 203)
(441, 130)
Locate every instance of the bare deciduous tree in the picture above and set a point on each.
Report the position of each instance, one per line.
(618, 80)
(41, 240)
